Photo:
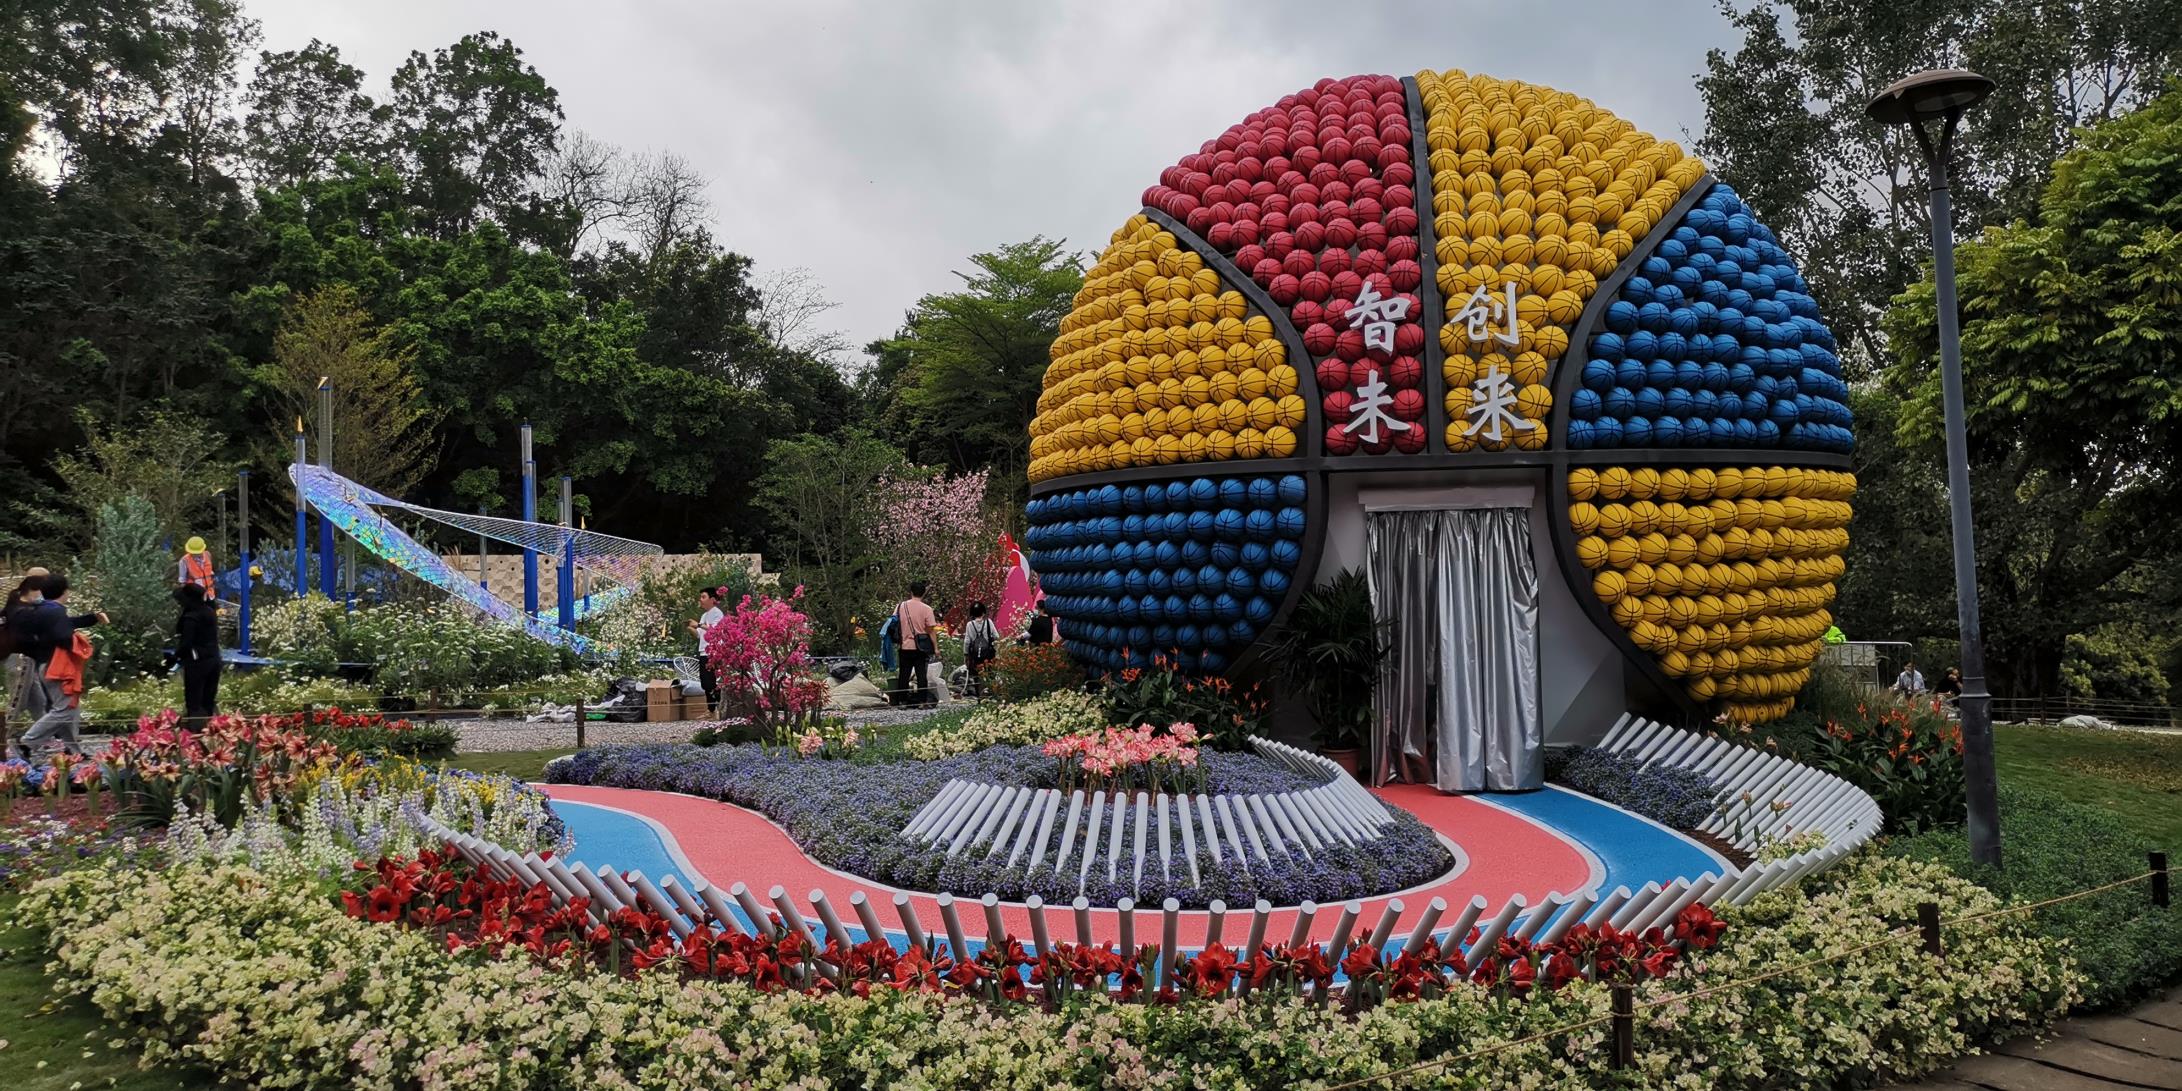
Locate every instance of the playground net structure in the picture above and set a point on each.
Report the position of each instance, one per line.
(355, 510)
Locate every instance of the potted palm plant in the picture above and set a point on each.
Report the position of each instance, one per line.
(1330, 651)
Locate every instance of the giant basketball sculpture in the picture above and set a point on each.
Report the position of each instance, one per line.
(1378, 286)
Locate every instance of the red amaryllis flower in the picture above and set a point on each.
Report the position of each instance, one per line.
(1362, 962)
(1212, 971)
(1562, 969)
(1659, 962)
(1521, 975)
(1698, 927)
(385, 905)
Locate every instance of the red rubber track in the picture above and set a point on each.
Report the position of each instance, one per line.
(1506, 855)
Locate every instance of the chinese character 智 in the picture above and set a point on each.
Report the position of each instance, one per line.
(1377, 316)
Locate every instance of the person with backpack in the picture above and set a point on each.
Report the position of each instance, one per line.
(913, 622)
(57, 654)
(980, 645)
(25, 695)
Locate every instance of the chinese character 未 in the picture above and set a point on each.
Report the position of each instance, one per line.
(1495, 406)
(1368, 411)
(1482, 310)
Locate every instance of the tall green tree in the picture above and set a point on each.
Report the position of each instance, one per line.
(307, 109)
(819, 493)
(383, 427)
(1785, 124)
(967, 367)
(2072, 356)
(474, 124)
(171, 462)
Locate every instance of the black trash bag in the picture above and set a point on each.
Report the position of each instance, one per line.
(843, 671)
(624, 702)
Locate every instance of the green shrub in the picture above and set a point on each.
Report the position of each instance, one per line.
(1906, 754)
(1226, 715)
(1024, 671)
(2050, 847)
(130, 578)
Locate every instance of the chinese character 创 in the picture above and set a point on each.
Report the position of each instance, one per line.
(1368, 411)
(1482, 310)
(1494, 407)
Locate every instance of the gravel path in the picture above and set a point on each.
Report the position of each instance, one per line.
(478, 736)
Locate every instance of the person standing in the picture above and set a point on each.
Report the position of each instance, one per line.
(197, 653)
(25, 695)
(980, 645)
(1042, 629)
(1949, 687)
(708, 598)
(913, 632)
(1909, 683)
(57, 657)
(196, 569)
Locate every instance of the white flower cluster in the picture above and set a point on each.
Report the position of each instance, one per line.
(1026, 723)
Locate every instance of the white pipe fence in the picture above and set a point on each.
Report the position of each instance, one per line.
(967, 816)
(1763, 800)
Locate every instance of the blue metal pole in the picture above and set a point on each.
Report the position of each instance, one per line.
(565, 587)
(302, 517)
(327, 585)
(530, 515)
(242, 579)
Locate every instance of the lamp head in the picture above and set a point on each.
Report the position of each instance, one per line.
(1933, 93)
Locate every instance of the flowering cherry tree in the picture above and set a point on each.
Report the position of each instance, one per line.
(761, 653)
(935, 528)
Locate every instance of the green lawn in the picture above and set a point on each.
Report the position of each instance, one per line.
(2136, 776)
(52, 1045)
(521, 764)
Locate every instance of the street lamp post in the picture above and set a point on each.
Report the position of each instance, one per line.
(1941, 96)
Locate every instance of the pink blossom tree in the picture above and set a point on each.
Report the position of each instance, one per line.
(935, 527)
(761, 653)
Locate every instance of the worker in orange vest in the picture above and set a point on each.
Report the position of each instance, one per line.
(196, 567)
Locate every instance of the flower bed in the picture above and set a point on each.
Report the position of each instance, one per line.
(1676, 798)
(266, 981)
(849, 816)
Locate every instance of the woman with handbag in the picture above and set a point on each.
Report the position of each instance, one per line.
(913, 621)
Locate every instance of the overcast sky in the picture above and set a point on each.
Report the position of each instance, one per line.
(880, 144)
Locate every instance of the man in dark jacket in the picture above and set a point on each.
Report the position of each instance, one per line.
(197, 652)
(52, 627)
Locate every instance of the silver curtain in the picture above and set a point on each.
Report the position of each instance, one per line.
(1458, 698)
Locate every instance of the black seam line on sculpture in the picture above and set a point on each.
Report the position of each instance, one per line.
(1298, 357)
(1316, 486)
(1314, 528)
(1579, 338)
(1457, 460)
(1579, 580)
(1435, 308)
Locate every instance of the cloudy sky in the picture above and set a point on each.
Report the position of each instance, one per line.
(879, 144)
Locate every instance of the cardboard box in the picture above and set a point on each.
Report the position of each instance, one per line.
(660, 701)
(695, 707)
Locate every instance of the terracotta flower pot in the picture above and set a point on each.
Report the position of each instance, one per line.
(1348, 758)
